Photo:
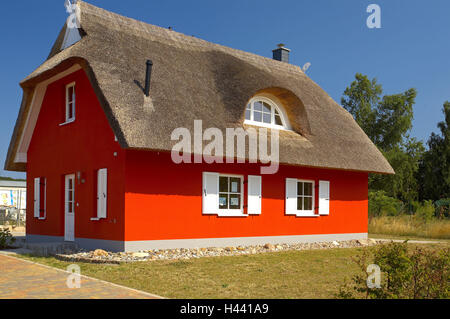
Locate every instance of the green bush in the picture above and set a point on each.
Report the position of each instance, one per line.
(425, 212)
(417, 274)
(382, 205)
(413, 206)
(6, 238)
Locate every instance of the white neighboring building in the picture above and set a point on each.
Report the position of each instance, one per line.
(13, 194)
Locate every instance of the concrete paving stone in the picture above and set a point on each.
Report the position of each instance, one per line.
(22, 279)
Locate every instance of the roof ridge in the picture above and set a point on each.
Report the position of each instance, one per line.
(175, 36)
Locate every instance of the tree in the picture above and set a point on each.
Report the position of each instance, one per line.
(434, 173)
(361, 99)
(394, 119)
(386, 120)
(405, 159)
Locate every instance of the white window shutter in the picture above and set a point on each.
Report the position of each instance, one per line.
(45, 197)
(254, 195)
(324, 197)
(291, 196)
(210, 204)
(37, 197)
(102, 192)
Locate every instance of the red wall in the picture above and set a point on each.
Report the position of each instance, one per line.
(85, 145)
(163, 200)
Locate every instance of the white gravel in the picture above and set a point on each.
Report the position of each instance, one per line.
(101, 256)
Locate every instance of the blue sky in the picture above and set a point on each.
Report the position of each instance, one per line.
(410, 50)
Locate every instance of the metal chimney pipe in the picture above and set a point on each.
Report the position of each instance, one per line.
(148, 75)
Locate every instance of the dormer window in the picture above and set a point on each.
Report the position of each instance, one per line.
(70, 102)
(262, 111)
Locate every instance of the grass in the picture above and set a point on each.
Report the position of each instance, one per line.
(288, 274)
(384, 236)
(410, 226)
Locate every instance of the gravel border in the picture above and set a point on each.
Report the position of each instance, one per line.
(100, 256)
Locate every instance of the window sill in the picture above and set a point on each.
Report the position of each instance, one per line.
(304, 215)
(40, 218)
(95, 218)
(231, 213)
(67, 122)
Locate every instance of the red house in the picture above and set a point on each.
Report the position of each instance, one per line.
(98, 151)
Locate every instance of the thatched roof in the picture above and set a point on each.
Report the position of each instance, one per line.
(195, 79)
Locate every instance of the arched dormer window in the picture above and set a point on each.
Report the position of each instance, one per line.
(262, 111)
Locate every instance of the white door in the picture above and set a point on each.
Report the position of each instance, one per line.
(69, 208)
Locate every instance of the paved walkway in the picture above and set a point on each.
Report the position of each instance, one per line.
(22, 279)
(412, 241)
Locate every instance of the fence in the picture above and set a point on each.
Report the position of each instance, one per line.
(12, 217)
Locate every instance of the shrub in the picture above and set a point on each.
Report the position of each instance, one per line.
(414, 206)
(417, 274)
(425, 211)
(382, 205)
(6, 238)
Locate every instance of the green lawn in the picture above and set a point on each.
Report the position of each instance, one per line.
(289, 274)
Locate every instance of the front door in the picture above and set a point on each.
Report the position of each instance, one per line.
(69, 208)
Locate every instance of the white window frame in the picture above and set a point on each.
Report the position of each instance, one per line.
(67, 118)
(231, 212)
(285, 124)
(302, 212)
(67, 202)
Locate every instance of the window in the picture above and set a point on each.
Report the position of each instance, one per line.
(40, 188)
(305, 196)
(300, 197)
(69, 207)
(230, 193)
(262, 111)
(70, 196)
(70, 103)
(222, 194)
